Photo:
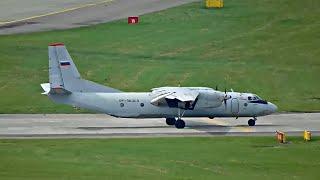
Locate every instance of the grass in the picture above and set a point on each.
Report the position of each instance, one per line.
(160, 158)
(268, 47)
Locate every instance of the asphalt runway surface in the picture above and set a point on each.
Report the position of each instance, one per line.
(18, 16)
(104, 126)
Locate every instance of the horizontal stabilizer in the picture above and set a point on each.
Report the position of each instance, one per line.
(58, 90)
(46, 88)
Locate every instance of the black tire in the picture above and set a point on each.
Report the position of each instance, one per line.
(251, 122)
(170, 121)
(180, 124)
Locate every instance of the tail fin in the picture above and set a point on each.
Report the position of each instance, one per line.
(64, 77)
(61, 69)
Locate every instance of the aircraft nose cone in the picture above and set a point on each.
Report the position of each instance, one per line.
(273, 107)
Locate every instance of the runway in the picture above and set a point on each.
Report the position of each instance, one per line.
(104, 126)
(31, 15)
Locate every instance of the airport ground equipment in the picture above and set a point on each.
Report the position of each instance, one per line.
(214, 3)
(281, 137)
(306, 135)
(133, 19)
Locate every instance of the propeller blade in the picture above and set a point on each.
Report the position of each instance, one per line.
(216, 87)
(225, 99)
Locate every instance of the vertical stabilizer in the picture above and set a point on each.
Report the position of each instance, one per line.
(62, 70)
(64, 76)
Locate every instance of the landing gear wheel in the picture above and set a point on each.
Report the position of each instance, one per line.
(180, 124)
(170, 121)
(251, 122)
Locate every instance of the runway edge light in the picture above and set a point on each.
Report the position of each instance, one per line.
(281, 137)
(306, 135)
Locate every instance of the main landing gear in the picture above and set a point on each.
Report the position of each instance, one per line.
(179, 123)
(170, 121)
(252, 122)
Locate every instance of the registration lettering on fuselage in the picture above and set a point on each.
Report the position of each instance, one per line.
(128, 100)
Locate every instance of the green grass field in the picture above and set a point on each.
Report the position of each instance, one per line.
(268, 47)
(160, 158)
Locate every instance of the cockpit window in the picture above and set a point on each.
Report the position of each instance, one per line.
(257, 97)
(254, 98)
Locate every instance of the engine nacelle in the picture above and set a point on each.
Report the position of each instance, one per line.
(210, 99)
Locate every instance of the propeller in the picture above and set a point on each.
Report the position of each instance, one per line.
(226, 97)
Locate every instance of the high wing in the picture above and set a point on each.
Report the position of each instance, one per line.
(187, 97)
(173, 94)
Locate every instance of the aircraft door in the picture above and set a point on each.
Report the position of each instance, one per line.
(234, 106)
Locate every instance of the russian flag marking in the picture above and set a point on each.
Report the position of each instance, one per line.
(64, 63)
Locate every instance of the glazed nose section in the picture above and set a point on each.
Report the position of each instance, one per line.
(272, 107)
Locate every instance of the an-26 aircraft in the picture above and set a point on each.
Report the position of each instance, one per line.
(172, 103)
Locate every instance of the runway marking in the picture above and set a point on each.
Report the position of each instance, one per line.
(225, 123)
(56, 12)
(244, 129)
(216, 121)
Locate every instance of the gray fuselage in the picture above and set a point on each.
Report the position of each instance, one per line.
(137, 105)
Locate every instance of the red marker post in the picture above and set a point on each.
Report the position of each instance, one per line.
(133, 20)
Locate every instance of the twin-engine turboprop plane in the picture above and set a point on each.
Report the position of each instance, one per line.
(172, 103)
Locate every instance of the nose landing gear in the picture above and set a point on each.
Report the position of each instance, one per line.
(252, 122)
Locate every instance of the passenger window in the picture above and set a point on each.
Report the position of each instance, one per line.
(249, 98)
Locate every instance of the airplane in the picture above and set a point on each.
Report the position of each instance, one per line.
(172, 103)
